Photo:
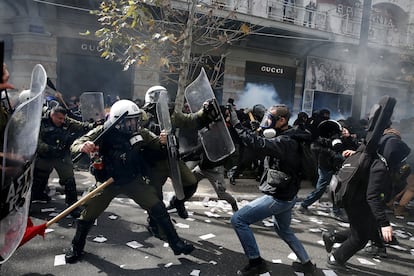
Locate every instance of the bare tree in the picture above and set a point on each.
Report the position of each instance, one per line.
(166, 33)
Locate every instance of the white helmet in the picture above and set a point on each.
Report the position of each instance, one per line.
(131, 123)
(152, 94)
(24, 96)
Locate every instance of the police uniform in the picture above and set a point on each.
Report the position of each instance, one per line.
(53, 153)
(123, 160)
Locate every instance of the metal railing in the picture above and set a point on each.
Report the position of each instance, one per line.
(340, 20)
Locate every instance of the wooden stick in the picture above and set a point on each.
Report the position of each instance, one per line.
(251, 116)
(80, 202)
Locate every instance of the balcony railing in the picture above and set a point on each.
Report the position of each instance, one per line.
(344, 21)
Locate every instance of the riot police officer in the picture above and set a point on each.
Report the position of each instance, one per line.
(57, 132)
(121, 153)
(161, 171)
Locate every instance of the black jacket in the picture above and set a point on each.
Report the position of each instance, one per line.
(379, 189)
(284, 148)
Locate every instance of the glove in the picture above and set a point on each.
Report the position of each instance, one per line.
(234, 120)
(254, 125)
(98, 123)
(211, 110)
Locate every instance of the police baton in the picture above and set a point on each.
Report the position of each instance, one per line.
(102, 134)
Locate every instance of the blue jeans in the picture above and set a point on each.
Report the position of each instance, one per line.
(323, 182)
(259, 209)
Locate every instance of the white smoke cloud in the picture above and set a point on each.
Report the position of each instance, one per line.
(264, 94)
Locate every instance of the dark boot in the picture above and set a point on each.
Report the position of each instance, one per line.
(179, 205)
(39, 189)
(155, 230)
(160, 215)
(71, 196)
(74, 253)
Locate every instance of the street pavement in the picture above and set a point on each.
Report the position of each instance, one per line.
(119, 244)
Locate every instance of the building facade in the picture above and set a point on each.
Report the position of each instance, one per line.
(307, 54)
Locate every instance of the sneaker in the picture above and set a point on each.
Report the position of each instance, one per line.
(307, 268)
(327, 238)
(375, 250)
(335, 265)
(303, 210)
(253, 270)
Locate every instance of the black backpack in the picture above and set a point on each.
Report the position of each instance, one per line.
(355, 168)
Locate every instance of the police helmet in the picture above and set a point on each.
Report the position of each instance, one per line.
(152, 95)
(131, 122)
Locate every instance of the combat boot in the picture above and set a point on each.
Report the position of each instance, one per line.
(155, 230)
(160, 215)
(179, 206)
(74, 253)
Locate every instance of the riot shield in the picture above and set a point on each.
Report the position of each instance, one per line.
(92, 106)
(164, 120)
(20, 143)
(215, 138)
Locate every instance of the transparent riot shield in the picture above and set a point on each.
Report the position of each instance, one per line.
(92, 106)
(215, 138)
(20, 143)
(164, 120)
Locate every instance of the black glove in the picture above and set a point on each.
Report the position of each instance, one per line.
(234, 120)
(211, 110)
(254, 125)
(98, 123)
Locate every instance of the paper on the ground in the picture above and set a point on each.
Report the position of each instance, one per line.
(134, 244)
(329, 272)
(60, 260)
(48, 230)
(207, 236)
(365, 261)
(168, 265)
(113, 217)
(277, 261)
(195, 272)
(292, 256)
(100, 239)
(182, 225)
(44, 210)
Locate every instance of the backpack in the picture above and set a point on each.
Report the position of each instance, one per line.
(355, 169)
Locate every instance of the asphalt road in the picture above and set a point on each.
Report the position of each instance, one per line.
(218, 251)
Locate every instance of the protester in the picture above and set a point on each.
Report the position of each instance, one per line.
(328, 148)
(282, 153)
(366, 209)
